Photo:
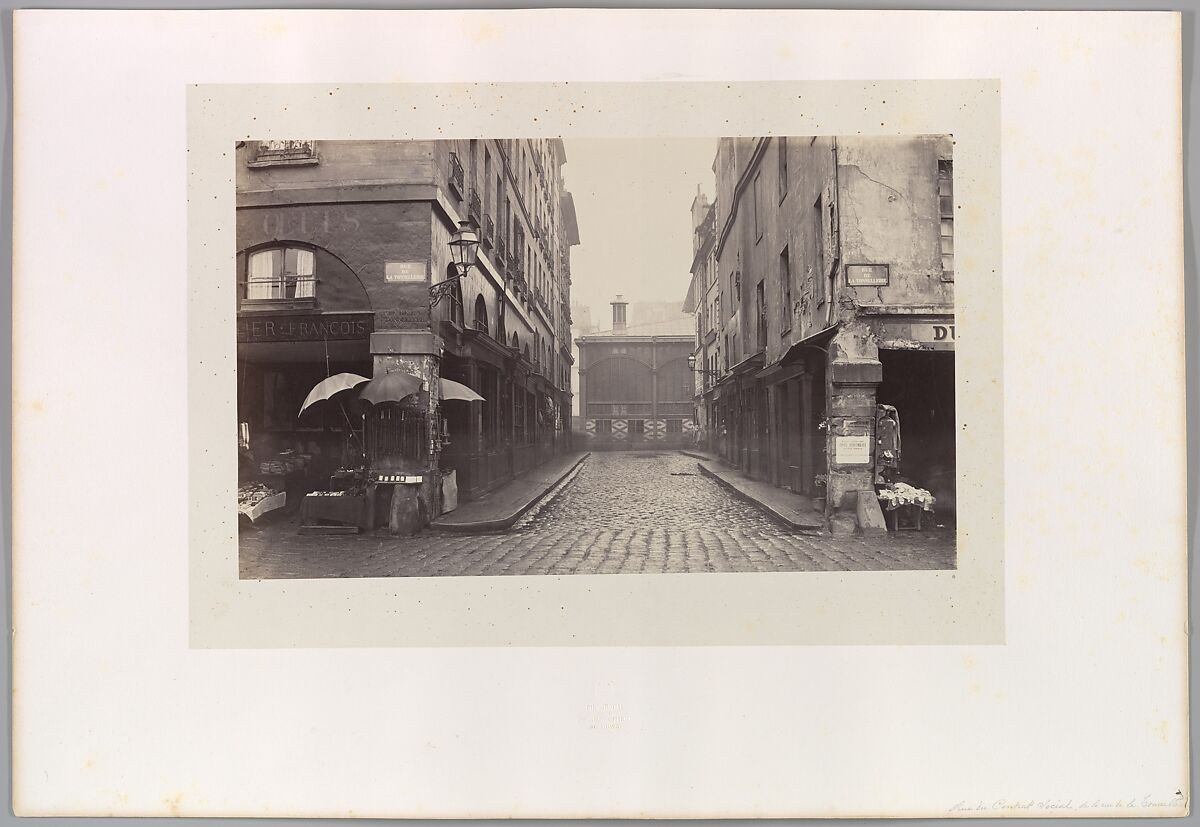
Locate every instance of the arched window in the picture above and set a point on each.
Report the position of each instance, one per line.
(281, 273)
(516, 343)
(481, 319)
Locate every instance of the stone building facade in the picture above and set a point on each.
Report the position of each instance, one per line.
(338, 246)
(635, 386)
(703, 300)
(834, 294)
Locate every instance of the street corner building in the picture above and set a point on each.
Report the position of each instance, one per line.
(458, 372)
(823, 292)
(635, 385)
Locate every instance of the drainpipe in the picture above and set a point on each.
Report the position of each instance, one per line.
(837, 200)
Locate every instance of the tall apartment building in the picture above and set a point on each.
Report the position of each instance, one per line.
(834, 295)
(703, 301)
(338, 246)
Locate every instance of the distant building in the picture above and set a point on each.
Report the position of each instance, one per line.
(641, 313)
(833, 294)
(581, 319)
(635, 387)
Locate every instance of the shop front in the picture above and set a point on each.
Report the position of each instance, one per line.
(890, 428)
(918, 383)
(796, 407)
(745, 419)
(281, 357)
(485, 442)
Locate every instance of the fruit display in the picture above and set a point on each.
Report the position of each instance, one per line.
(285, 463)
(256, 499)
(253, 492)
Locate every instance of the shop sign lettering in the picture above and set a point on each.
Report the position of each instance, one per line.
(303, 328)
(306, 222)
(917, 335)
(933, 332)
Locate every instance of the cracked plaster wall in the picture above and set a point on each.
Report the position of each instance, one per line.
(889, 215)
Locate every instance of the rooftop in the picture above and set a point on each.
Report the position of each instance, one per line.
(682, 326)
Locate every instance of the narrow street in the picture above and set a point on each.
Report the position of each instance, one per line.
(623, 512)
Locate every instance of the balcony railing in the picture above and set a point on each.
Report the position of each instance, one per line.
(475, 206)
(285, 153)
(501, 253)
(281, 287)
(457, 175)
(489, 231)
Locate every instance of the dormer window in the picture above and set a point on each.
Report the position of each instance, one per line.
(281, 273)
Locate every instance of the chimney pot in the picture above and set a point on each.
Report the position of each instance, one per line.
(618, 306)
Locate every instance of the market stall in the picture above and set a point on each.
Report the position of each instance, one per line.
(256, 497)
(904, 504)
(334, 501)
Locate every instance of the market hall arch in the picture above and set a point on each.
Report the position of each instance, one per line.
(619, 379)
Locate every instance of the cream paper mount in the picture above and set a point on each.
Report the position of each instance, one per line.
(957, 606)
(130, 697)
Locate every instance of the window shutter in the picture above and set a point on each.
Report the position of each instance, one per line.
(829, 227)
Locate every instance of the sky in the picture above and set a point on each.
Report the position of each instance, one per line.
(633, 199)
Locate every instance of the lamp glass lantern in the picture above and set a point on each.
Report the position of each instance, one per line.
(691, 361)
(464, 247)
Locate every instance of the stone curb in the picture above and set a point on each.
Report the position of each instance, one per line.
(767, 509)
(506, 522)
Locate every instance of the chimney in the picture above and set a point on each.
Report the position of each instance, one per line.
(618, 306)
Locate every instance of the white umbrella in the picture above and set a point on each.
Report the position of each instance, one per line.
(335, 384)
(391, 387)
(457, 390)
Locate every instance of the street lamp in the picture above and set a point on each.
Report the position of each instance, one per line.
(691, 360)
(464, 250)
(464, 247)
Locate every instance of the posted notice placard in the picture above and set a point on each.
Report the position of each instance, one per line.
(852, 450)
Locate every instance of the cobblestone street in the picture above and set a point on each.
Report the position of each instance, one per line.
(620, 513)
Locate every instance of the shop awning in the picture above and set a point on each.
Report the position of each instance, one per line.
(457, 390)
(808, 346)
(779, 372)
(748, 364)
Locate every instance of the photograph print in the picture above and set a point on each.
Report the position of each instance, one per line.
(501, 356)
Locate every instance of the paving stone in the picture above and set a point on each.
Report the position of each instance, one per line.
(622, 513)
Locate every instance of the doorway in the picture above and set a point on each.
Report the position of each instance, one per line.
(920, 385)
